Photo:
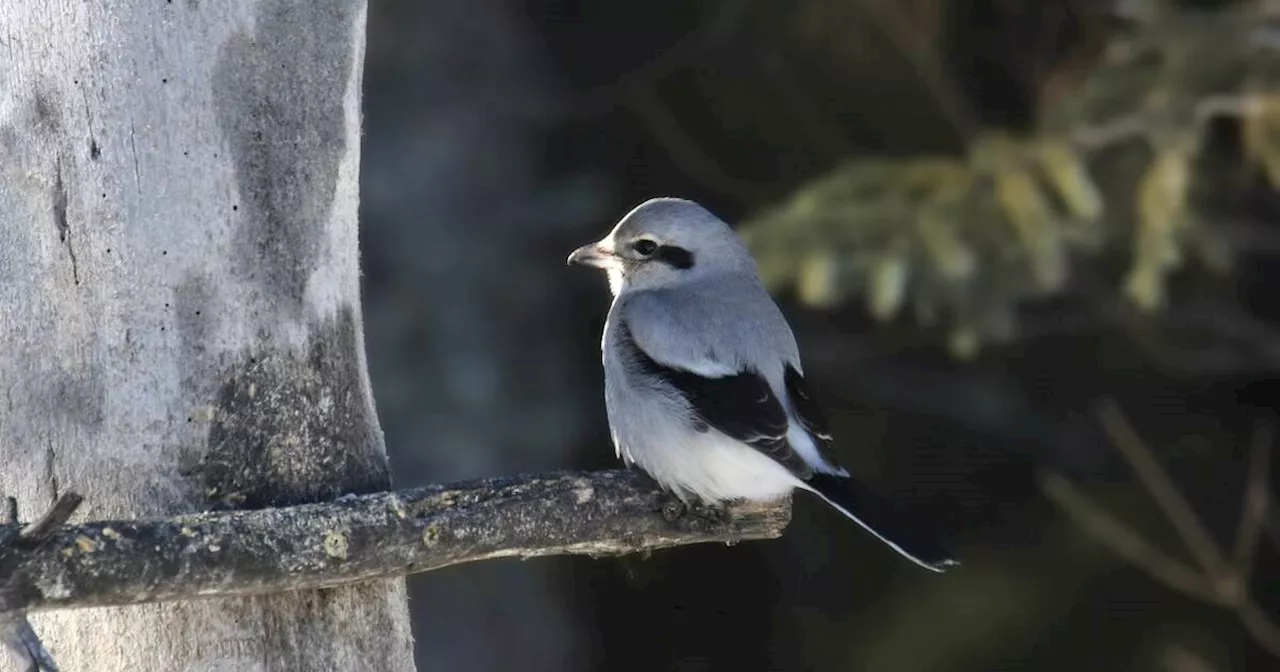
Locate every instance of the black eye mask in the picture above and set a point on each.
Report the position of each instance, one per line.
(675, 257)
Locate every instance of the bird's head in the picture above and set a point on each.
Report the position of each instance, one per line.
(664, 242)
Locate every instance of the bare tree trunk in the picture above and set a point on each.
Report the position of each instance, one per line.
(180, 324)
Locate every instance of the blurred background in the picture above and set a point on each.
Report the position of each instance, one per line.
(1030, 253)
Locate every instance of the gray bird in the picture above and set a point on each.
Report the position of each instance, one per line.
(703, 384)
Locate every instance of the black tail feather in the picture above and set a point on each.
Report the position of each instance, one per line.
(886, 521)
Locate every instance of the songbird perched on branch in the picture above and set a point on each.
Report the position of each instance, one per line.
(703, 383)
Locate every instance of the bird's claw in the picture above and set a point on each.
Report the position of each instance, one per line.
(696, 516)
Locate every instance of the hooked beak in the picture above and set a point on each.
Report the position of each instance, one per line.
(591, 254)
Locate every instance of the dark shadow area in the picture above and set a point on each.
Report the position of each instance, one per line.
(500, 136)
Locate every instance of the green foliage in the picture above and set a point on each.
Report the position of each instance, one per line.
(1115, 168)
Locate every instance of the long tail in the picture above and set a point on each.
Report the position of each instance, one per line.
(883, 519)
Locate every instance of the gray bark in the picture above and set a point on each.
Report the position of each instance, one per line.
(179, 302)
(358, 538)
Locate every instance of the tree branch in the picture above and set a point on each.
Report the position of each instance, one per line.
(1125, 542)
(1176, 508)
(358, 538)
(1220, 582)
(16, 633)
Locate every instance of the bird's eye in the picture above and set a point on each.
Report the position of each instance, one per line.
(644, 247)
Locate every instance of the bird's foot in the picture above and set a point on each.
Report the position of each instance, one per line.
(696, 516)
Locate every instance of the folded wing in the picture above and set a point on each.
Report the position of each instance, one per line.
(740, 405)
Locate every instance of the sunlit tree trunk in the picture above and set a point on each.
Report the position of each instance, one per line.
(180, 325)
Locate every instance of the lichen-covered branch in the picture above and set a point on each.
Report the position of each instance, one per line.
(357, 538)
(16, 634)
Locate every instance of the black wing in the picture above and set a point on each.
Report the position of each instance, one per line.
(741, 406)
(809, 413)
